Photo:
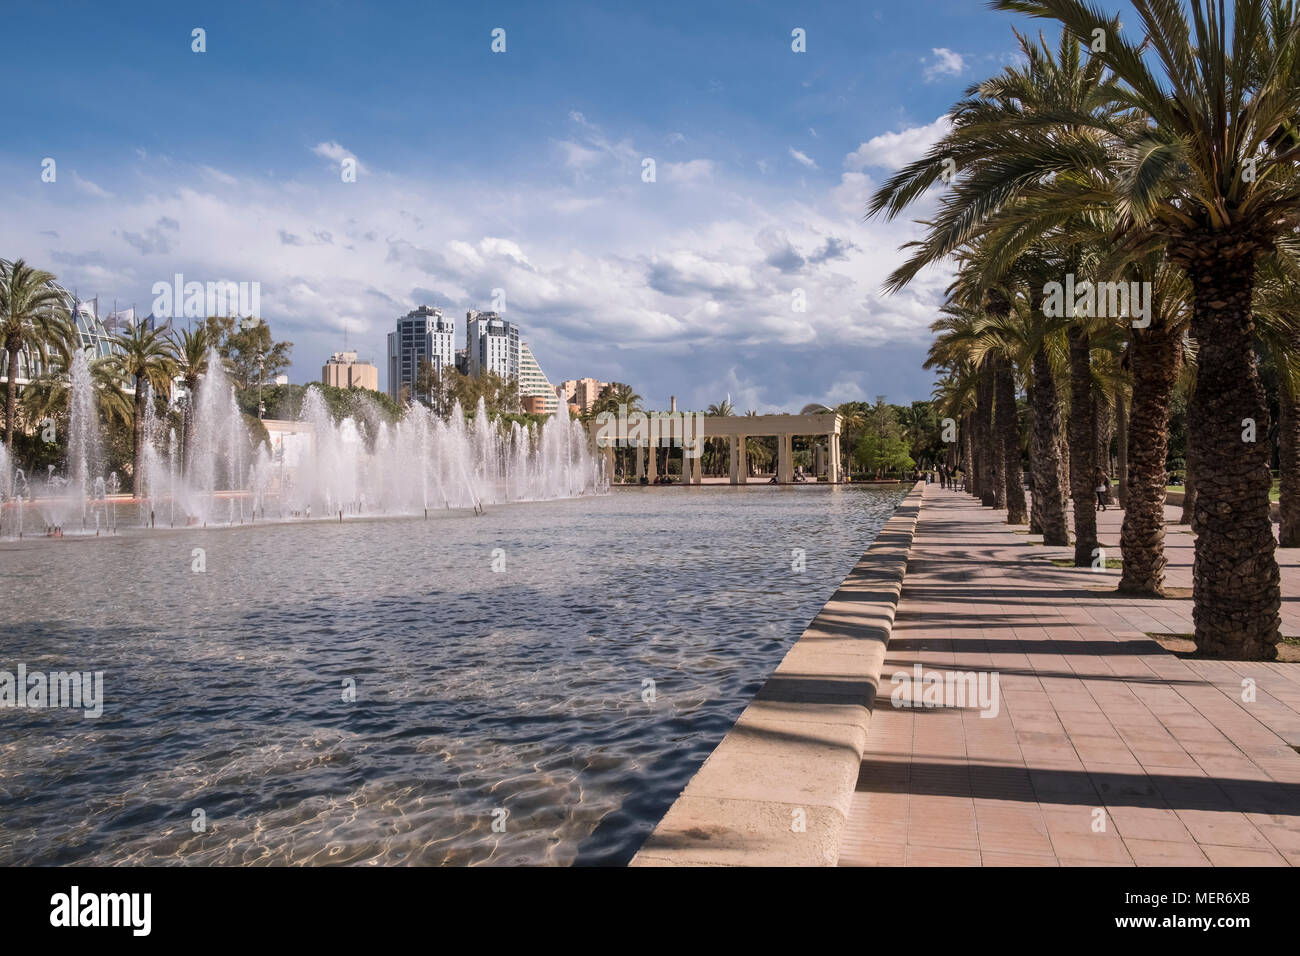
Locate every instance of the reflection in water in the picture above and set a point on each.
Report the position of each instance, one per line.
(476, 691)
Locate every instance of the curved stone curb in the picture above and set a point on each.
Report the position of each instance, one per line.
(794, 754)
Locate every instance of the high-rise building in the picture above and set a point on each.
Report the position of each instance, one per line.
(423, 335)
(492, 344)
(533, 382)
(344, 371)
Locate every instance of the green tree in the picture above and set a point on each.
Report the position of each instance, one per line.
(146, 357)
(30, 306)
(1210, 174)
(882, 454)
(720, 448)
(192, 348)
(248, 348)
(47, 396)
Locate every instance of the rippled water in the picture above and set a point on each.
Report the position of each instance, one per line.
(476, 691)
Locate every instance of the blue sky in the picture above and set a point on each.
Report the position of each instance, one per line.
(519, 171)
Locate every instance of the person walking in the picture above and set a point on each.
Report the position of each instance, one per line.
(1103, 486)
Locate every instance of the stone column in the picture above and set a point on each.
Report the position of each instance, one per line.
(784, 459)
(833, 453)
(742, 472)
(652, 460)
(697, 469)
(640, 460)
(610, 463)
(734, 448)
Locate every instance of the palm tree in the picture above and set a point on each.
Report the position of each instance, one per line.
(999, 342)
(147, 358)
(961, 336)
(608, 402)
(756, 450)
(954, 397)
(615, 395)
(1007, 141)
(1277, 310)
(191, 348)
(1212, 176)
(30, 306)
(1155, 354)
(48, 394)
(718, 447)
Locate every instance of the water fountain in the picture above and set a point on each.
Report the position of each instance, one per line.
(359, 465)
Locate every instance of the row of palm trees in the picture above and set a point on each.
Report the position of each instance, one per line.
(36, 319)
(1170, 162)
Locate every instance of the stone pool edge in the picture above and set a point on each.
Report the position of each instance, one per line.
(793, 756)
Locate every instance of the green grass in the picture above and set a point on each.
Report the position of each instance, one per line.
(1293, 641)
(1113, 564)
(1272, 495)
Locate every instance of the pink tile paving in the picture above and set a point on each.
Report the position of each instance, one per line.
(1106, 750)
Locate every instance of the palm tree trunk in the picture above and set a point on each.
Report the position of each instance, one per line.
(137, 442)
(1236, 586)
(11, 396)
(1154, 354)
(1083, 449)
(1013, 488)
(1049, 492)
(1288, 462)
(1104, 423)
(967, 458)
(1121, 447)
(187, 434)
(985, 438)
(1189, 487)
(1064, 444)
(1035, 457)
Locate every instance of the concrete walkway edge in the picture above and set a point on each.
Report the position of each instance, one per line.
(778, 789)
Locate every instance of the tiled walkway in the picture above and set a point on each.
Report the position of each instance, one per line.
(1105, 750)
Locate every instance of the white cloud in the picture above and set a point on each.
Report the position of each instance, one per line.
(578, 157)
(335, 153)
(892, 150)
(665, 288)
(943, 62)
(216, 174)
(802, 158)
(89, 188)
(689, 173)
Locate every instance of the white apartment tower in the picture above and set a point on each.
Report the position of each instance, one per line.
(423, 334)
(492, 344)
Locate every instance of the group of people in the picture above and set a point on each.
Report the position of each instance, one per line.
(950, 477)
(954, 479)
